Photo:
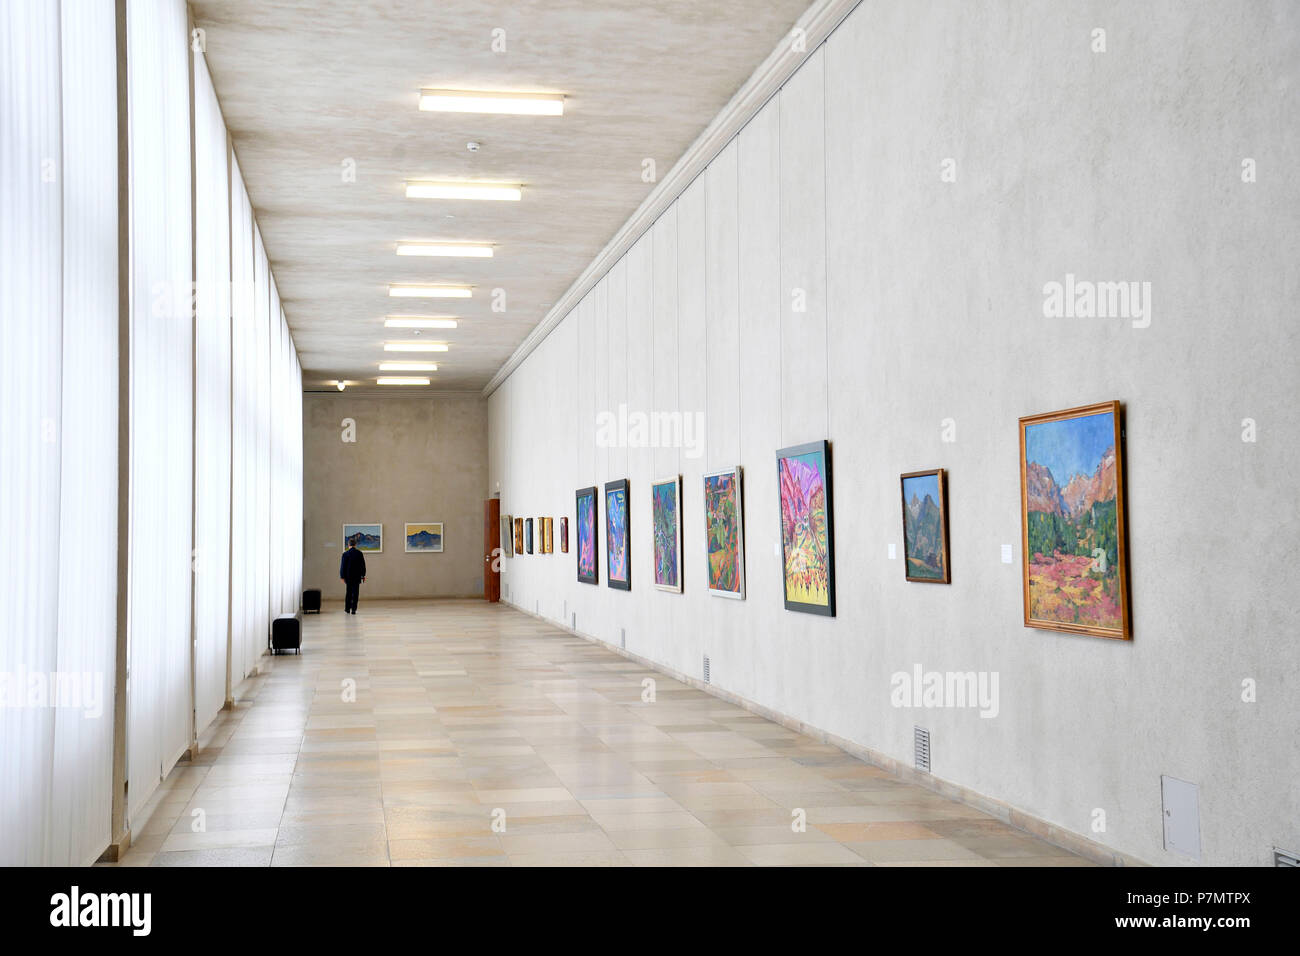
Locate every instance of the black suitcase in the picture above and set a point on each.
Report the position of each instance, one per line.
(311, 600)
(286, 633)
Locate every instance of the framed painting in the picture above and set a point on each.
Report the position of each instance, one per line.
(1073, 542)
(564, 534)
(367, 537)
(548, 535)
(807, 528)
(925, 526)
(528, 535)
(588, 567)
(618, 557)
(424, 536)
(507, 534)
(666, 519)
(519, 536)
(724, 524)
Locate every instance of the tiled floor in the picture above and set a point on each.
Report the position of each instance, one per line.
(480, 736)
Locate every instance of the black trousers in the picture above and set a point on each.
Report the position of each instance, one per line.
(353, 593)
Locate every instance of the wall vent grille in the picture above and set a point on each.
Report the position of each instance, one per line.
(921, 748)
(574, 621)
(1285, 858)
(707, 675)
(622, 638)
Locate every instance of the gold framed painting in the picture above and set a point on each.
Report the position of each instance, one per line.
(1073, 525)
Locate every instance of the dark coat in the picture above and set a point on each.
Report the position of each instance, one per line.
(353, 566)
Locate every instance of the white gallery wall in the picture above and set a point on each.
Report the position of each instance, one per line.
(58, 403)
(197, 443)
(865, 262)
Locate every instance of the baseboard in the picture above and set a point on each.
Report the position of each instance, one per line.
(1009, 814)
(114, 852)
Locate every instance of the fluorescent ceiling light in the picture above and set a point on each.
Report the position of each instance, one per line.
(430, 291)
(470, 101)
(419, 322)
(421, 190)
(401, 380)
(464, 250)
(414, 347)
(408, 367)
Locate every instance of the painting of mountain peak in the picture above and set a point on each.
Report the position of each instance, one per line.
(366, 537)
(807, 529)
(1073, 521)
(925, 526)
(424, 536)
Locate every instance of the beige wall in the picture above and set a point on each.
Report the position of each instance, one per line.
(415, 458)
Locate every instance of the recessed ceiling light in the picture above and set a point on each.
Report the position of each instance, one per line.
(420, 322)
(424, 190)
(430, 291)
(341, 385)
(408, 367)
(414, 347)
(470, 101)
(401, 380)
(466, 250)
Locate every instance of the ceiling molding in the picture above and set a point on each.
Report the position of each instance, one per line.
(817, 23)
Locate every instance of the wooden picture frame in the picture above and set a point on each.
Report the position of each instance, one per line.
(587, 508)
(548, 535)
(618, 535)
(928, 526)
(807, 527)
(1072, 501)
(666, 528)
(528, 535)
(564, 534)
(519, 536)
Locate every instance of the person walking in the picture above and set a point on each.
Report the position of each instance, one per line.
(352, 571)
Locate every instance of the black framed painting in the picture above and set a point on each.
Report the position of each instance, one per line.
(807, 528)
(587, 511)
(618, 543)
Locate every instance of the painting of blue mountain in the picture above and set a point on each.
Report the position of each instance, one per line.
(424, 536)
(366, 537)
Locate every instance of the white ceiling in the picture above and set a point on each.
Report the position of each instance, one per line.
(307, 87)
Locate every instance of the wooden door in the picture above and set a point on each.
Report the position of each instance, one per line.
(492, 549)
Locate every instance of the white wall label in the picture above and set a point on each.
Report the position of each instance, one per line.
(893, 551)
(329, 544)
(1006, 554)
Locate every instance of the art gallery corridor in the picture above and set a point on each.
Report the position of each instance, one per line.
(468, 714)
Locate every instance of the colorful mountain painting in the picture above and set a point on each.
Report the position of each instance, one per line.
(805, 528)
(366, 537)
(1072, 534)
(424, 537)
(923, 535)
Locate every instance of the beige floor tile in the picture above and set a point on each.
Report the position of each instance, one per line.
(465, 708)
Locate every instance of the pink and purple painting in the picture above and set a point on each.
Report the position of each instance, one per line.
(807, 531)
(588, 569)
